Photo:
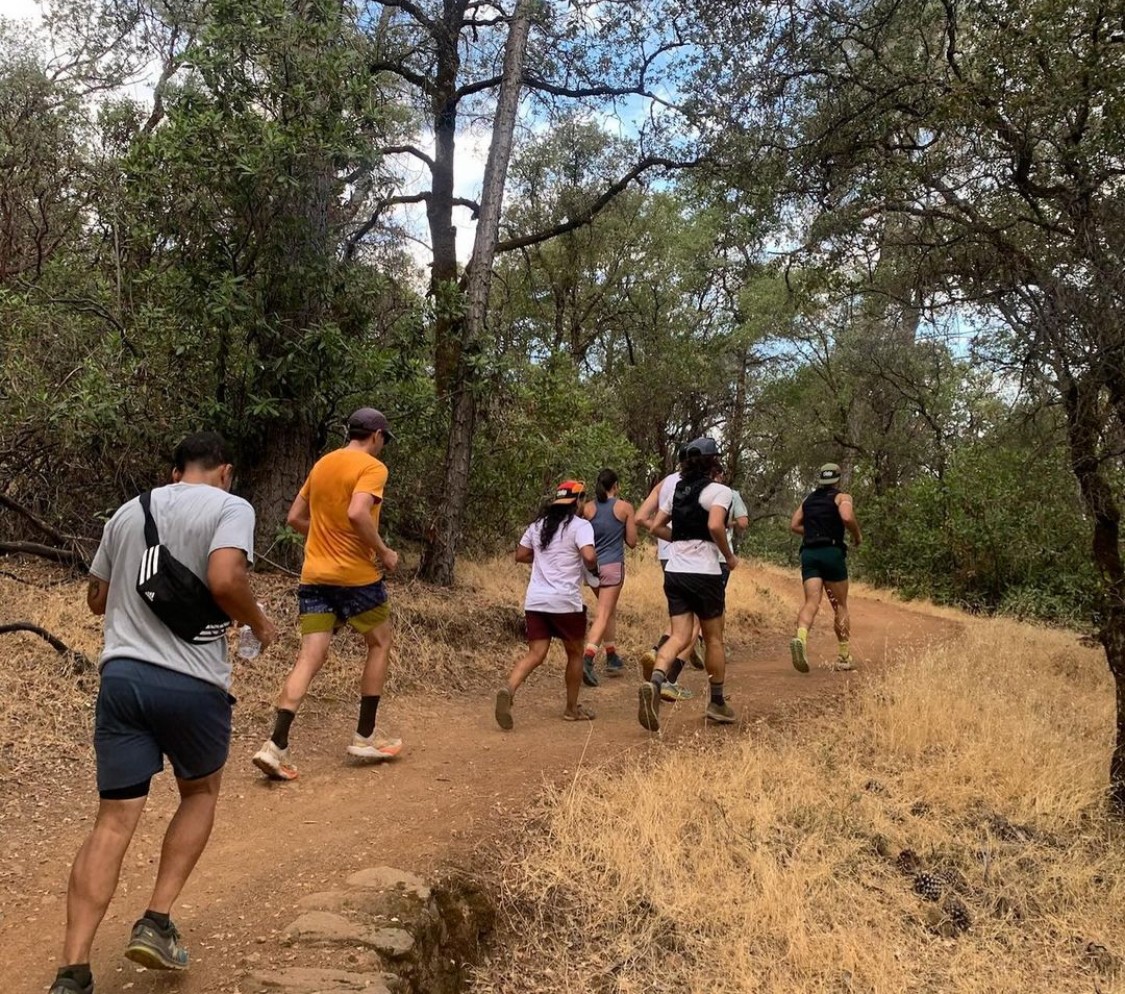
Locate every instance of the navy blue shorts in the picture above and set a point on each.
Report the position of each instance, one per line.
(322, 607)
(147, 712)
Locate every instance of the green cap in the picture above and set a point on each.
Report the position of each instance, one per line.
(829, 474)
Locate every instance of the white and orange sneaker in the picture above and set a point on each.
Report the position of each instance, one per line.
(274, 762)
(375, 746)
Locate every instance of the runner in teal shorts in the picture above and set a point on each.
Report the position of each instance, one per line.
(822, 520)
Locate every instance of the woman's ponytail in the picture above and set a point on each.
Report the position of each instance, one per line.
(607, 480)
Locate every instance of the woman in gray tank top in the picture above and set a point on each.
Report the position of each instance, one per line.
(615, 527)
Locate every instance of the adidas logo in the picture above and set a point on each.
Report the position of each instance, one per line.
(150, 595)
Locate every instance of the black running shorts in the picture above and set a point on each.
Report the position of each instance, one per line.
(701, 594)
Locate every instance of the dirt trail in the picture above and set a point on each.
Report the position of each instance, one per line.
(459, 782)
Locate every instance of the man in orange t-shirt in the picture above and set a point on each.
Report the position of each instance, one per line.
(341, 584)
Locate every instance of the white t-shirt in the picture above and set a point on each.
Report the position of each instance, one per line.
(667, 490)
(556, 571)
(696, 555)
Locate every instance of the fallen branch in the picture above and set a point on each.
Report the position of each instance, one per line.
(80, 660)
(68, 557)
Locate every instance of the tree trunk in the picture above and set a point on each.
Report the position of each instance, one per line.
(278, 472)
(439, 207)
(440, 555)
(1085, 424)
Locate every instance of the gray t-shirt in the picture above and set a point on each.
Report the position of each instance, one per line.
(738, 509)
(193, 520)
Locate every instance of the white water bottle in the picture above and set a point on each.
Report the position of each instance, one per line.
(248, 645)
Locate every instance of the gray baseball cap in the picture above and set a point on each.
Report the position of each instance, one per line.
(370, 420)
(829, 473)
(702, 447)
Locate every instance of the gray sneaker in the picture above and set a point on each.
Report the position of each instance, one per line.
(156, 948)
(845, 665)
(648, 707)
(721, 714)
(799, 655)
(589, 677)
(64, 985)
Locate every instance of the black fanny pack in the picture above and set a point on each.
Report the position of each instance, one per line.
(174, 593)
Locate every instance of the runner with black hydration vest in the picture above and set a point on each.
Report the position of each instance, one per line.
(822, 520)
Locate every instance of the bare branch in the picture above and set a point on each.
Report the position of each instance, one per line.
(412, 77)
(408, 150)
(68, 557)
(587, 215)
(414, 11)
(40, 525)
(80, 660)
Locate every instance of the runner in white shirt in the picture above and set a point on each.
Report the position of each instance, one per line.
(557, 545)
(694, 520)
(670, 690)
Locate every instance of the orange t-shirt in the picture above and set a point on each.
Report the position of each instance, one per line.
(334, 553)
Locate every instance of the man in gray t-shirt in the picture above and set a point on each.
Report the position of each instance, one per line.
(194, 520)
(160, 696)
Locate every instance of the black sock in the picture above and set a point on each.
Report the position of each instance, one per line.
(717, 694)
(163, 921)
(78, 972)
(658, 678)
(368, 708)
(675, 670)
(281, 723)
(660, 643)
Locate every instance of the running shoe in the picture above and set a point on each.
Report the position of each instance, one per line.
(504, 708)
(845, 665)
(648, 709)
(614, 665)
(673, 692)
(721, 714)
(589, 677)
(374, 746)
(156, 948)
(696, 658)
(64, 985)
(799, 656)
(274, 762)
(648, 663)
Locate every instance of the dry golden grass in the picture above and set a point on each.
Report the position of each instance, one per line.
(770, 864)
(445, 641)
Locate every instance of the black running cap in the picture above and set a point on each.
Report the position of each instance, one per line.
(370, 420)
(703, 447)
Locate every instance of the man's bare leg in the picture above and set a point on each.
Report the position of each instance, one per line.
(185, 839)
(813, 588)
(273, 758)
(93, 878)
(837, 592)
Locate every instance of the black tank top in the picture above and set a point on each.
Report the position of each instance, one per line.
(823, 524)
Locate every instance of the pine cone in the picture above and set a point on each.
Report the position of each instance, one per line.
(908, 861)
(953, 879)
(928, 886)
(958, 914)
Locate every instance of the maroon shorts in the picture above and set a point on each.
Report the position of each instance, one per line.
(570, 627)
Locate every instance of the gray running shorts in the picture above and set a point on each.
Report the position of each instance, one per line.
(147, 712)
